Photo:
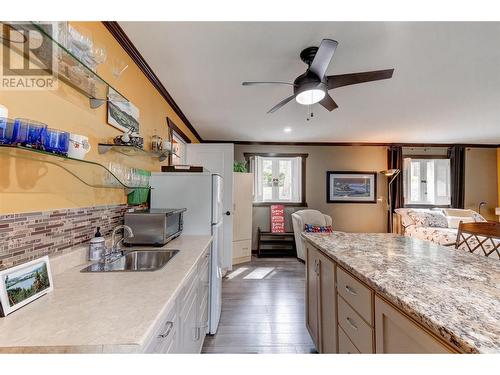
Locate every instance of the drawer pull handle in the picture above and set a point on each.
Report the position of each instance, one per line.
(168, 326)
(351, 323)
(351, 290)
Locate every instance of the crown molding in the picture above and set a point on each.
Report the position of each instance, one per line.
(121, 37)
(257, 143)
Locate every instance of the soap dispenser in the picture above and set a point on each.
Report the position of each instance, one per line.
(97, 247)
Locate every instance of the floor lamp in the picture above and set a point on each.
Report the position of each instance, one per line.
(391, 175)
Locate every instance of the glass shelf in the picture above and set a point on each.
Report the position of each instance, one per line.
(69, 68)
(132, 151)
(89, 172)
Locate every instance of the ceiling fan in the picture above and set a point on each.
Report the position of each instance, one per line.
(312, 86)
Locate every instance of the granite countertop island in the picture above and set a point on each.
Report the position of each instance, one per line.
(453, 293)
(99, 312)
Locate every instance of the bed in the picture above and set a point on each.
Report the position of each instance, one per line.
(439, 226)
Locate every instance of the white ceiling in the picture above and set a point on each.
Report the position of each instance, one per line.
(445, 88)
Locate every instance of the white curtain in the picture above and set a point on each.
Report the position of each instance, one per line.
(297, 179)
(256, 166)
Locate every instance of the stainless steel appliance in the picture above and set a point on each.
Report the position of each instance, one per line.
(154, 227)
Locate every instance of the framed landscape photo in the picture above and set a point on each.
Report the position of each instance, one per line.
(123, 116)
(351, 187)
(23, 284)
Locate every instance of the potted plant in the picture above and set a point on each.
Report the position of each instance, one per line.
(240, 166)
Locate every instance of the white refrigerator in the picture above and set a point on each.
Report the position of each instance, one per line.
(202, 195)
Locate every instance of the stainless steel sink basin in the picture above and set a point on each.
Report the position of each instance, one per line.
(135, 260)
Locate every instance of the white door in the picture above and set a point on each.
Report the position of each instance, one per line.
(218, 158)
(242, 218)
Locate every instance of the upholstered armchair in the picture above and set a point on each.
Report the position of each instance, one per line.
(302, 217)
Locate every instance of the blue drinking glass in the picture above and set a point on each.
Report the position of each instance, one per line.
(56, 141)
(6, 131)
(28, 132)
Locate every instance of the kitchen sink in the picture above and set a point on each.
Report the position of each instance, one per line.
(135, 260)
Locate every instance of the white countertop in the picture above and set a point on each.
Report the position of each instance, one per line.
(95, 312)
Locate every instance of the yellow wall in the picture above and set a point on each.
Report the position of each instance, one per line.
(35, 186)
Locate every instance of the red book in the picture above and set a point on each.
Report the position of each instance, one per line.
(277, 218)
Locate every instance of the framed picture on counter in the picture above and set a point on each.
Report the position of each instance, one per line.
(351, 187)
(23, 284)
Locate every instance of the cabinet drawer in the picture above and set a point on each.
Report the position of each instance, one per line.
(345, 344)
(194, 276)
(164, 334)
(189, 284)
(204, 269)
(242, 248)
(356, 294)
(360, 333)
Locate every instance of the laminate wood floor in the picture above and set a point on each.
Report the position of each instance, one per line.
(263, 309)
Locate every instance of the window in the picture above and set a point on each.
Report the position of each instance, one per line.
(426, 182)
(178, 149)
(278, 179)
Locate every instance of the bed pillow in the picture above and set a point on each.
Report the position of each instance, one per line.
(467, 213)
(434, 219)
(454, 221)
(311, 228)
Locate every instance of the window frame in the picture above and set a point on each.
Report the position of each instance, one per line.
(302, 203)
(423, 205)
(179, 134)
(183, 145)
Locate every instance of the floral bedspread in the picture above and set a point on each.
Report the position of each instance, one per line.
(448, 237)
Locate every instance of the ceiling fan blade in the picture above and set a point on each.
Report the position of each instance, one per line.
(328, 103)
(340, 80)
(281, 104)
(323, 57)
(266, 83)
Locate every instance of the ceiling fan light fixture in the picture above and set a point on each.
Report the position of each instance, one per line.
(309, 97)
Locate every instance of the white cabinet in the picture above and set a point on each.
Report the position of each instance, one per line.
(183, 327)
(189, 324)
(242, 220)
(164, 338)
(203, 300)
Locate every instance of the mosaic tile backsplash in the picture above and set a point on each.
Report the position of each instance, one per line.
(28, 236)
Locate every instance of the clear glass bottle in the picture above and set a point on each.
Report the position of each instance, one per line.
(155, 141)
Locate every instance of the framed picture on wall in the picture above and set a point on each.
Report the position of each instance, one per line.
(351, 187)
(23, 284)
(123, 115)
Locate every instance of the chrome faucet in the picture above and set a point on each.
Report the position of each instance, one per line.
(114, 250)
